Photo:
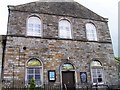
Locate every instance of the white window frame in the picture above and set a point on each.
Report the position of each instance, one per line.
(96, 68)
(91, 32)
(41, 72)
(34, 26)
(65, 30)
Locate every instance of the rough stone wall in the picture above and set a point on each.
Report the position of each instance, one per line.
(18, 22)
(53, 53)
(73, 9)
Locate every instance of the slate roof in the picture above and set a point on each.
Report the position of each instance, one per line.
(72, 9)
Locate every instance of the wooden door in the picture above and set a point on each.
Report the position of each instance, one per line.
(68, 80)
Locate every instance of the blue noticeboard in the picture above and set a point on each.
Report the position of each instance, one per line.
(51, 75)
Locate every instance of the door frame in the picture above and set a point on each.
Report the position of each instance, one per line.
(75, 74)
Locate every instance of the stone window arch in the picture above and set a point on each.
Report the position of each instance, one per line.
(91, 32)
(34, 26)
(96, 72)
(65, 29)
(34, 69)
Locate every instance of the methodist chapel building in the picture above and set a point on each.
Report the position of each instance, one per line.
(58, 43)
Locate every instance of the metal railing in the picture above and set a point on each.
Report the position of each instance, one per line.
(21, 85)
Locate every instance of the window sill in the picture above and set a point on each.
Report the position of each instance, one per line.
(98, 83)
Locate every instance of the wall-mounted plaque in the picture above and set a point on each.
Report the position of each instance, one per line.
(51, 75)
(83, 77)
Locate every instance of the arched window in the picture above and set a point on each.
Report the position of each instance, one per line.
(96, 72)
(65, 29)
(91, 32)
(34, 70)
(34, 27)
(67, 66)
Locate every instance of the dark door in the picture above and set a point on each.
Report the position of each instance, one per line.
(68, 80)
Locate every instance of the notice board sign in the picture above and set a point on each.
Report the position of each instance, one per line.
(51, 75)
(83, 77)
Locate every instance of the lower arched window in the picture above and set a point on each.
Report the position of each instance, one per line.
(34, 70)
(96, 72)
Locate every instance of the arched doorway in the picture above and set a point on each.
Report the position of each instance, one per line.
(68, 76)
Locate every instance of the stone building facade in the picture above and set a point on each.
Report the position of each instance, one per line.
(60, 43)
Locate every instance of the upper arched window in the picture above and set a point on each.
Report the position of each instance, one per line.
(91, 32)
(65, 29)
(34, 70)
(34, 27)
(96, 72)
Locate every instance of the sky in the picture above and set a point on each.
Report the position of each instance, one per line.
(104, 8)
